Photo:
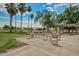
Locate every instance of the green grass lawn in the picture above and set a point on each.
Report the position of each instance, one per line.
(7, 40)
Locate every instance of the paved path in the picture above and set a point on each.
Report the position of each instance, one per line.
(38, 47)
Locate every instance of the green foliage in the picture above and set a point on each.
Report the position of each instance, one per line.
(6, 27)
(40, 28)
(69, 16)
(46, 18)
(11, 9)
(32, 16)
(22, 7)
(29, 9)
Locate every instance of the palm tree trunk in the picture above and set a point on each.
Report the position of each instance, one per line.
(28, 23)
(47, 28)
(21, 24)
(31, 24)
(11, 23)
(44, 27)
(15, 23)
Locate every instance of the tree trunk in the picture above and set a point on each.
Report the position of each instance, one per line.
(15, 23)
(68, 30)
(21, 24)
(11, 23)
(31, 25)
(28, 22)
(47, 28)
(44, 27)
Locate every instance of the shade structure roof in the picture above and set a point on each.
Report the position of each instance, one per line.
(68, 25)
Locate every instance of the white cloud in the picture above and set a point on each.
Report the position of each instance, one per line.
(75, 4)
(44, 5)
(59, 4)
(49, 3)
(2, 7)
(5, 18)
(49, 8)
(54, 6)
(25, 23)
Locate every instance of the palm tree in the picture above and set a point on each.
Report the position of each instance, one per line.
(11, 11)
(31, 16)
(45, 18)
(29, 9)
(38, 16)
(69, 16)
(16, 11)
(22, 9)
(59, 18)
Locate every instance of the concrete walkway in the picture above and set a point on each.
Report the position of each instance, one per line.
(39, 47)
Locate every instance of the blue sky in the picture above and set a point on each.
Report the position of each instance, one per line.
(4, 16)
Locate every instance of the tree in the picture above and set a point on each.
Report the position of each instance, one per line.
(59, 18)
(69, 16)
(5, 27)
(29, 9)
(11, 11)
(46, 18)
(31, 16)
(16, 11)
(22, 9)
(38, 17)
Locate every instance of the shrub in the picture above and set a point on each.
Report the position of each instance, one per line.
(40, 29)
(6, 27)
